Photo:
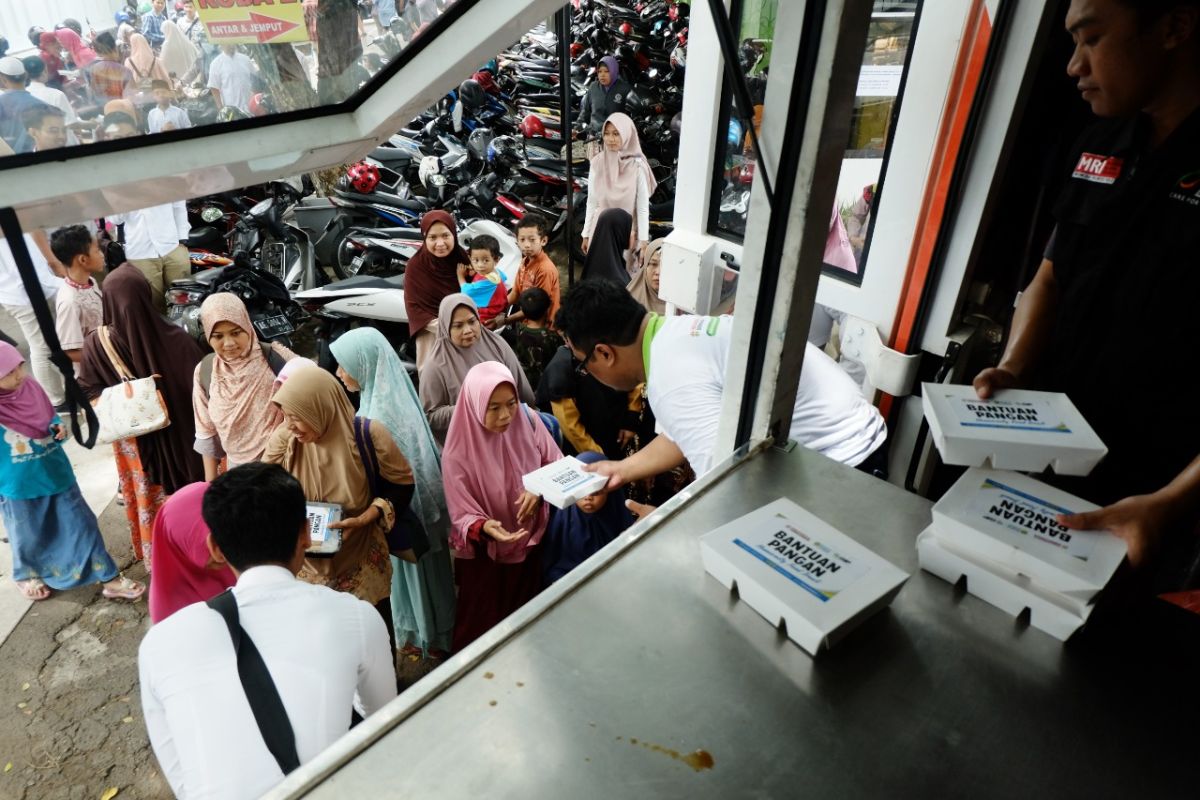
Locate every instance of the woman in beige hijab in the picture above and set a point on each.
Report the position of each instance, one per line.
(644, 286)
(316, 444)
(462, 342)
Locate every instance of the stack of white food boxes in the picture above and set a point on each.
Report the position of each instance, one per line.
(1000, 529)
(792, 567)
(563, 483)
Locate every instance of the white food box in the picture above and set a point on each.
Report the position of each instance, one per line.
(325, 542)
(1055, 614)
(563, 483)
(1016, 429)
(1010, 519)
(790, 566)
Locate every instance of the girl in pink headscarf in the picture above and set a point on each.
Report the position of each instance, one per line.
(81, 54)
(496, 525)
(620, 177)
(184, 569)
(55, 538)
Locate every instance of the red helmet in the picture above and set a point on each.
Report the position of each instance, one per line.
(260, 105)
(576, 49)
(532, 126)
(626, 29)
(363, 176)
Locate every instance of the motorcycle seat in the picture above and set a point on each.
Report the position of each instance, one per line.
(391, 155)
(396, 200)
(367, 282)
(411, 234)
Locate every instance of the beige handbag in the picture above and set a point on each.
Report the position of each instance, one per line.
(132, 408)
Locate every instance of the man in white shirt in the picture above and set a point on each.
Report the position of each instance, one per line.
(166, 116)
(682, 362)
(154, 244)
(36, 70)
(327, 652)
(231, 78)
(16, 302)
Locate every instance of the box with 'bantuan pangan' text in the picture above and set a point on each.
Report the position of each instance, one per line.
(1015, 429)
(792, 567)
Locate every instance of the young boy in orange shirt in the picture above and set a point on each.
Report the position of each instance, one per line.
(537, 270)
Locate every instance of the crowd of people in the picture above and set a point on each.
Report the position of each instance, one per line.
(162, 71)
(437, 533)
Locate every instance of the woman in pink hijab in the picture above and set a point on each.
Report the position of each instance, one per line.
(620, 177)
(81, 54)
(496, 525)
(184, 571)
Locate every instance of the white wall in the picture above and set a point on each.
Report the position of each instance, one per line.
(18, 16)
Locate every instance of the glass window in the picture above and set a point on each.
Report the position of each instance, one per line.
(876, 107)
(734, 173)
(213, 62)
(877, 104)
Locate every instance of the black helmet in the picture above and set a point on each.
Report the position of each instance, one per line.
(504, 148)
(35, 35)
(478, 141)
(677, 123)
(636, 103)
(73, 24)
(472, 95)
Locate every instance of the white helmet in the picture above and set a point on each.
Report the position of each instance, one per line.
(430, 165)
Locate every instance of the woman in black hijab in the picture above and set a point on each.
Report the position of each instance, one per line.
(149, 345)
(607, 253)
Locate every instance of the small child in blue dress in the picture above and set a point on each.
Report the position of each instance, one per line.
(483, 281)
(55, 538)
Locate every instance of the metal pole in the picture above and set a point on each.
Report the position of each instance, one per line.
(563, 23)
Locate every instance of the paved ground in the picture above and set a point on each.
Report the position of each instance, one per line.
(69, 685)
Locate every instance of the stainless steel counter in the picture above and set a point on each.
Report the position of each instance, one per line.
(650, 659)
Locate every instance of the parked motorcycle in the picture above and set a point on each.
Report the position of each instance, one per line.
(273, 312)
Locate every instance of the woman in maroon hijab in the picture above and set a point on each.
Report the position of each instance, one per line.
(431, 274)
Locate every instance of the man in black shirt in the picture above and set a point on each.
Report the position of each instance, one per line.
(1110, 316)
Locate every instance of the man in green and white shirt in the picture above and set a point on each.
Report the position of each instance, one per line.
(682, 360)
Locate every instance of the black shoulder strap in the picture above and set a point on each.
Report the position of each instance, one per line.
(366, 451)
(274, 360)
(269, 713)
(206, 368)
(77, 401)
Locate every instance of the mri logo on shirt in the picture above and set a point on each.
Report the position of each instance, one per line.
(1097, 169)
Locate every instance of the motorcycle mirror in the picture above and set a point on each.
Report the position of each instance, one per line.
(211, 214)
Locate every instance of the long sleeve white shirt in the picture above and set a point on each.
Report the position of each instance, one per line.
(156, 231)
(641, 207)
(324, 650)
(12, 290)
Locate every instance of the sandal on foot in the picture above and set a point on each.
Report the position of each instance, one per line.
(123, 589)
(34, 589)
